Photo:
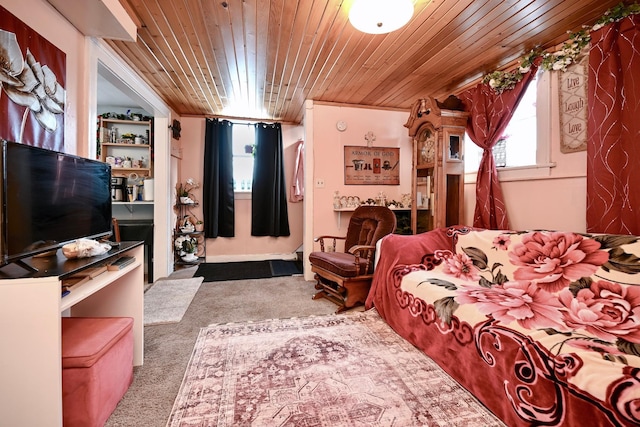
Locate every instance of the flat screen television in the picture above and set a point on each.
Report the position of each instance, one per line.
(50, 199)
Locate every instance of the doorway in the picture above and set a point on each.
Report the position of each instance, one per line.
(115, 86)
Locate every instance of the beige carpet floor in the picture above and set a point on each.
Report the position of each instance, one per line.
(321, 371)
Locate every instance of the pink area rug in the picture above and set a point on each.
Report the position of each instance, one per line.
(339, 370)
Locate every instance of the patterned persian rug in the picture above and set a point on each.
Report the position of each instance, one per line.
(337, 370)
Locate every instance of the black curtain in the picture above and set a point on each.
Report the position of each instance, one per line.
(218, 198)
(269, 215)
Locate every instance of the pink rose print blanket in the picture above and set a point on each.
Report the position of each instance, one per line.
(542, 326)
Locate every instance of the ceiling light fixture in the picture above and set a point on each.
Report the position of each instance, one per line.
(380, 16)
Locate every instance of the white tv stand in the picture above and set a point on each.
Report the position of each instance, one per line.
(30, 310)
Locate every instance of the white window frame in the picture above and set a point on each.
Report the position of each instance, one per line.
(544, 129)
(243, 194)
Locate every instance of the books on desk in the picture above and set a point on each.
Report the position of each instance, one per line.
(72, 282)
(121, 263)
(78, 279)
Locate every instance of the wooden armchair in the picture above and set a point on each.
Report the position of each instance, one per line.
(345, 277)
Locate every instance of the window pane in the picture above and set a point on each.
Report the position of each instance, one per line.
(520, 138)
(520, 134)
(243, 142)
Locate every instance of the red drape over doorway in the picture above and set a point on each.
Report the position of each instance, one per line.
(613, 147)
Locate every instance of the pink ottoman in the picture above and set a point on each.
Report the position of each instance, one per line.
(97, 367)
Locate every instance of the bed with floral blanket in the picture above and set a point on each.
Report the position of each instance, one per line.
(543, 327)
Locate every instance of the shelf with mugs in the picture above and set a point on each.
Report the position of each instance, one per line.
(127, 145)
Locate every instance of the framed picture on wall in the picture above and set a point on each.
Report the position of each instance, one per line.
(371, 165)
(33, 94)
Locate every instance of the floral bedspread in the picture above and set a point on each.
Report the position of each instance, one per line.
(542, 326)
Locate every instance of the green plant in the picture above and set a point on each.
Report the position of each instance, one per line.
(184, 190)
(189, 246)
(186, 244)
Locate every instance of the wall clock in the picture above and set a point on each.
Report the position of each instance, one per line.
(426, 147)
(341, 125)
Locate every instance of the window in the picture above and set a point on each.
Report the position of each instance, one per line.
(524, 147)
(243, 144)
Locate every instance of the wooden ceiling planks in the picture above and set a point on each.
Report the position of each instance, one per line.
(261, 59)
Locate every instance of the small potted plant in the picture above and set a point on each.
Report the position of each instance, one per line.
(184, 191)
(186, 246)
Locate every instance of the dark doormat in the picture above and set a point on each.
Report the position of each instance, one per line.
(221, 271)
(285, 268)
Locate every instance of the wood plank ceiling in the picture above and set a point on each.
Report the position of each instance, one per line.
(261, 59)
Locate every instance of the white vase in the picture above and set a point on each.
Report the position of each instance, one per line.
(190, 257)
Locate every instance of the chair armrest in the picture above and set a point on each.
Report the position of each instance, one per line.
(360, 248)
(362, 251)
(321, 240)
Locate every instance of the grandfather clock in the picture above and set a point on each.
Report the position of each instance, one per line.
(437, 179)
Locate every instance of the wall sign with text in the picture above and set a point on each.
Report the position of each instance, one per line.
(371, 165)
(573, 107)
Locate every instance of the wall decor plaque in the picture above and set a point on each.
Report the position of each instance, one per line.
(371, 165)
(573, 107)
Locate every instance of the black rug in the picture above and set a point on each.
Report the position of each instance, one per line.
(285, 268)
(221, 271)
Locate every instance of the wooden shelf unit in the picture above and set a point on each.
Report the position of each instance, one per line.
(183, 210)
(136, 152)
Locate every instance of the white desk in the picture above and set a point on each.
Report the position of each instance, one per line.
(30, 312)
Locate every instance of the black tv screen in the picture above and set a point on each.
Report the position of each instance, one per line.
(50, 199)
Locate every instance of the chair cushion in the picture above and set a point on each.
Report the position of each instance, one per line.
(340, 263)
(368, 224)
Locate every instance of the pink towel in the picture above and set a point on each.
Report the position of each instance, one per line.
(297, 184)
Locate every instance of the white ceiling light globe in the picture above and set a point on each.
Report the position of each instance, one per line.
(380, 16)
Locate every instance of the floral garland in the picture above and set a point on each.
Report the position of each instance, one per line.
(570, 53)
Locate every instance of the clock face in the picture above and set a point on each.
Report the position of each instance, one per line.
(341, 125)
(427, 146)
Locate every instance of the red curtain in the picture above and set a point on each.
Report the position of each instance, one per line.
(489, 115)
(613, 147)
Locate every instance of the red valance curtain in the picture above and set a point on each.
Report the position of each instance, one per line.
(613, 147)
(489, 115)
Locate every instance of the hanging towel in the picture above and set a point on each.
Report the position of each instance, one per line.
(297, 184)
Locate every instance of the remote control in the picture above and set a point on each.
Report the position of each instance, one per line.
(120, 263)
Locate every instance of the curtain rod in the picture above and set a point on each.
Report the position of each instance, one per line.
(245, 120)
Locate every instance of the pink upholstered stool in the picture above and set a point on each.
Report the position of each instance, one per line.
(97, 367)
